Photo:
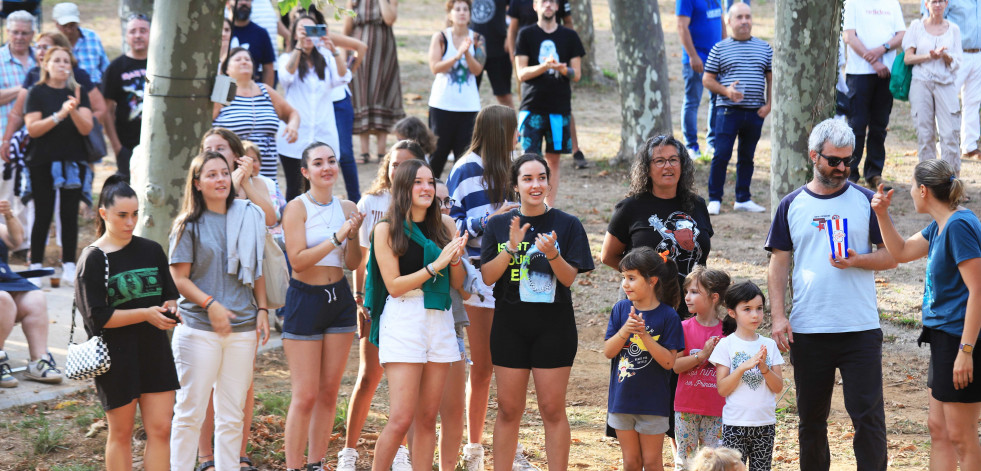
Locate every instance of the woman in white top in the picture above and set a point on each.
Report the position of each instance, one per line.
(309, 73)
(456, 57)
(320, 312)
(933, 48)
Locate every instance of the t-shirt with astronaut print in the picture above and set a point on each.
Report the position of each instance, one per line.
(123, 83)
(638, 384)
(550, 92)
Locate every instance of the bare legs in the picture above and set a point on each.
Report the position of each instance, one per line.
(451, 411)
(415, 391)
(550, 387)
(478, 386)
(156, 410)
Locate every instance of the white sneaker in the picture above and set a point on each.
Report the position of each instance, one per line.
(473, 457)
(521, 461)
(44, 370)
(714, 207)
(347, 459)
(749, 206)
(68, 273)
(36, 281)
(401, 462)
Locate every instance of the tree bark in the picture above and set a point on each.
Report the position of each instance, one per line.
(582, 21)
(805, 69)
(129, 7)
(642, 74)
(176, 107)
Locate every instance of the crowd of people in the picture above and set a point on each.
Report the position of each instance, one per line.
(462, 284)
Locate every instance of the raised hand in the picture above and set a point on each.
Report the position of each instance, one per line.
(504, 208)
(635, 323)
(352, 224)
(516, 234)
(464, 47)
(881, 201)
(761, 360)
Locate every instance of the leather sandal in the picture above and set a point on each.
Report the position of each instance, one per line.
(246, 464)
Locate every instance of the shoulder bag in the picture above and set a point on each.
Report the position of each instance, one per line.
(91, 358)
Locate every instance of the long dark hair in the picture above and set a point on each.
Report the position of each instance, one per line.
(399, 211)
(413, 129)
(640, 174)
(114, 187)
(315, 57)
(493, 136)
(193, 205)
(525, 158)
(650, 264)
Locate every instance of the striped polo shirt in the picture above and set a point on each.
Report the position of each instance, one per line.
(746, 61)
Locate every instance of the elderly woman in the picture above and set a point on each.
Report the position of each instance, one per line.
(933, 48)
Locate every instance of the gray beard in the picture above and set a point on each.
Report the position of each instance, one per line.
(830, 183)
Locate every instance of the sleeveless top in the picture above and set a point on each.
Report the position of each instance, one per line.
(411, 260)
(456, 89)
(322, 222)
(254, 119)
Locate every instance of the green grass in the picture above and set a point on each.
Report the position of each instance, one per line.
(273, 403)
(88, 415)
(43, 438)
(75, 467)
(612, 75)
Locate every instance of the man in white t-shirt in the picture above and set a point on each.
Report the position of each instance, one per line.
(873, 31)
(834, 323)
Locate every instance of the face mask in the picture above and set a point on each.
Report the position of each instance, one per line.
(243, 13)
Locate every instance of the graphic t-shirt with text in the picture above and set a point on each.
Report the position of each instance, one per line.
(123, 82)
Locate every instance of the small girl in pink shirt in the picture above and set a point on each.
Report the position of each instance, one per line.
(697, 403)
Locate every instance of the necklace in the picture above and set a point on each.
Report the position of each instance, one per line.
(314, 200)
(543, 213)
(328, 223)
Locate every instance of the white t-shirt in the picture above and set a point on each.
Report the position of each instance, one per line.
(752, 404)
(374, 208)
(875, 22)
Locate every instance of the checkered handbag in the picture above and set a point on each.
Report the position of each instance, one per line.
(90, 358)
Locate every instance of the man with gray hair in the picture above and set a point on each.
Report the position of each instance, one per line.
(827, 228)
(16, 58)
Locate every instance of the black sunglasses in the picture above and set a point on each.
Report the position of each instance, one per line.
(836, 161)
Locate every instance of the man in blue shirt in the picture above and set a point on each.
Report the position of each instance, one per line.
(86, 45)
(700, 26)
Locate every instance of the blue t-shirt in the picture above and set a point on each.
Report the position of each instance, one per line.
(959, 241)
(254, 38)
(638, 384)
(705, 27)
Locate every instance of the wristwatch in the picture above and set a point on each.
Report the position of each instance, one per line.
(886, 46)
(967, 348)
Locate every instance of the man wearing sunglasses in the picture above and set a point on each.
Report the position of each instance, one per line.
(827, 228)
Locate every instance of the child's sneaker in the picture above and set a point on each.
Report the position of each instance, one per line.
(401, 462)
(7, 379)
(347, 459)
(521, 461)
(473, 457)
(44, 370)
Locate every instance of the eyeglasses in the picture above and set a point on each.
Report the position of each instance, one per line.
(836, 161)
(661, 163)
(446, 202)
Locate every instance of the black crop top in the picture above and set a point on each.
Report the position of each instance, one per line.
(411, 261)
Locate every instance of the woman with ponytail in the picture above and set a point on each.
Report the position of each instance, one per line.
(951, 306)
(132, 306)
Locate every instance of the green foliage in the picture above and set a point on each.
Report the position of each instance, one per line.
(609, 74)
(43, 438)
(286, 5)
(272, 403)
(340, 416)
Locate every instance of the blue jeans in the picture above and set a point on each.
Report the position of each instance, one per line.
(732, 122)
(344, 115)
(689, 108)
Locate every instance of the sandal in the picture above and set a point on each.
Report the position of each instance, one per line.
(365, 158)
(246, 461)
(205, 465)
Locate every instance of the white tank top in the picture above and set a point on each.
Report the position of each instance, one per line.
(456, 89)
(322, 222)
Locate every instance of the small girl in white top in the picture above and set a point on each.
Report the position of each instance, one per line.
(748, 376)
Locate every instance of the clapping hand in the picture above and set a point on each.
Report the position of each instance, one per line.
(464, 47)
(761, 360)
(516, 234)
(546, 245)
(242, 172)
(635, 323)
(5, 209)
(352, 224)
(72, 102)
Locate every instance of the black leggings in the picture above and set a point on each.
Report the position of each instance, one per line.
(294, 179)
(453, 130)
(42, 187)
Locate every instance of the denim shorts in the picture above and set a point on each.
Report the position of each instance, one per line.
(312, 311)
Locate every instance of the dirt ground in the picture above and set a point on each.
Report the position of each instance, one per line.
(53, 435)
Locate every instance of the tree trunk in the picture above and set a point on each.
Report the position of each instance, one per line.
(582, 21)
(805, 69)
(129, 7)
(176, 107)
(642, 74)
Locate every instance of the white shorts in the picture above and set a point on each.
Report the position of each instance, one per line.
(480, 289)
(410, 333)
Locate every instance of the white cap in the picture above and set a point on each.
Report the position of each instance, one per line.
(65, 13)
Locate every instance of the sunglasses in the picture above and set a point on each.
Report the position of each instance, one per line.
(836, 161)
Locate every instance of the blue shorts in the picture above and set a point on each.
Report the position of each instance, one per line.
(312, 311)
(554, 128)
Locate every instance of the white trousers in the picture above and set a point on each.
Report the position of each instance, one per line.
(934, 107)
(969, 84)
(205, 360)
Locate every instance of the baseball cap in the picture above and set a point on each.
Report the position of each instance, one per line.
(65, 13)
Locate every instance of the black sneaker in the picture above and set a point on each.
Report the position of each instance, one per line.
(579, 160)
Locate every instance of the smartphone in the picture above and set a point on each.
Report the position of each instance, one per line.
(172, 316)
(316, 31)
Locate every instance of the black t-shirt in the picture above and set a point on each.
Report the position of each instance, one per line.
(63, 142)
(550, 92)
(256, 39)
(412, 260)
(524, 11)
(487, 18)
(82, 77)
(123, 82)
(529, 278)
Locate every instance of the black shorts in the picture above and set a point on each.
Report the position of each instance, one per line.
(943, 351)
(498, 70)
(142, 363)
(312, 311)
(533, 335)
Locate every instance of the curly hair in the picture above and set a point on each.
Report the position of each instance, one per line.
(640, 173)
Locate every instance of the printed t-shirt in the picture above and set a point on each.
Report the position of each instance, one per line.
(550, 92)
(747, 62)
(639, 385)
(256, 40)
(752, 404)
(529, 277)
(124, 81)
(875, 22)
(697, 392)
(63, 142)
(947, 293)
(487, 17)
(705, 26)
(374, 208)
(827, 299)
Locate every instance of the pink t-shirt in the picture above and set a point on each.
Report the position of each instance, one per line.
(697, 393)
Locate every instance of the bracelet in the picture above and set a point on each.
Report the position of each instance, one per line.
(557, 254)
(55, 118)
(507, 248)
(429, 269)
(359, 293)
(621, 336)
(334, 240)
(458, 262)
(262, 309)
(208, 304)
(206, 301)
